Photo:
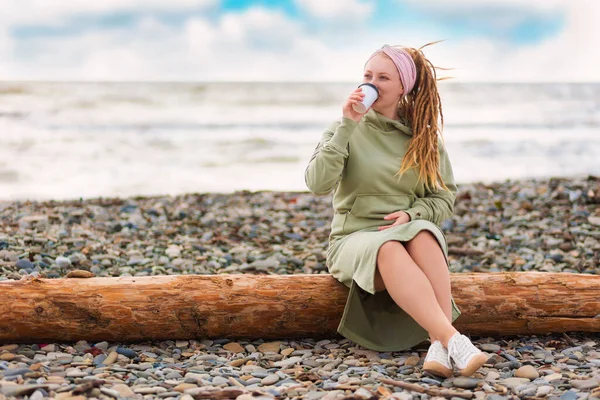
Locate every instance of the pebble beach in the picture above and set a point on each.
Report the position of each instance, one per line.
(548, 225)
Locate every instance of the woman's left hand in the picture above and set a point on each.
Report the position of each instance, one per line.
(401, 217)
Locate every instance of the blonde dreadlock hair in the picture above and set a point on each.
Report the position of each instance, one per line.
(423, 109)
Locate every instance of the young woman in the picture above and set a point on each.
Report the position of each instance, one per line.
(393, 186)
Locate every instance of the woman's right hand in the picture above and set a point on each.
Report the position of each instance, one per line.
(355, 97)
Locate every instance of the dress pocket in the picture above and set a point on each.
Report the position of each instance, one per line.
(377, 206)
(368, 210)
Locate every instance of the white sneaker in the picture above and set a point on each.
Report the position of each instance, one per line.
(437, 361)
(467, 357)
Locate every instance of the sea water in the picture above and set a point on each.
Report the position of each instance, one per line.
(83, 140)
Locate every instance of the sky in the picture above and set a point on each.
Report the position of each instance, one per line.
(295, 40)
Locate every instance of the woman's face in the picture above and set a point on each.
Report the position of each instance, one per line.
(382, 72)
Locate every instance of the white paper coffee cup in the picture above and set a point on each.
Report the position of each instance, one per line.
(371, 94)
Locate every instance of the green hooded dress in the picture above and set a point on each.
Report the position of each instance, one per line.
(359, 163)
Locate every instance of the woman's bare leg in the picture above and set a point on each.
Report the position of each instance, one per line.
(425, 250)
(410, 288)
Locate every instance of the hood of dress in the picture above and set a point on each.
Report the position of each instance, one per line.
(385, 124)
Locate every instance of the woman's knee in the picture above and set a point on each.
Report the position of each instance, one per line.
(421, 238)
(386, 254)
(387, 249)
(424, 235)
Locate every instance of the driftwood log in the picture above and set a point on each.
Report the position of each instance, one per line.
(272, 306)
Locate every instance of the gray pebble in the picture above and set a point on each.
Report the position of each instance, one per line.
(102, 346)
(569, 395)
(586, 384)
(543, 391)
(144, 366)
(528, 390)
(314, 395)
(508, 364)
(99, 359)
(25, 265)
(173, 375)
(218, 380)
(270, 379)
(490, 347)
(288, 381)
(465, 383)
(173, 395)
(37, 395)
(63, 262)
(430, 381)
(16, 371)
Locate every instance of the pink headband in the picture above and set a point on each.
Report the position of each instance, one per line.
(404, 63)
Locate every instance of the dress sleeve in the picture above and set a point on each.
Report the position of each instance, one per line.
(438, 205)
(327, 162)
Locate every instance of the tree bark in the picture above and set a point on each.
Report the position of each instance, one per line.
(273, 306)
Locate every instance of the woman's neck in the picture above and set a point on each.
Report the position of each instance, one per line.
(391, 113)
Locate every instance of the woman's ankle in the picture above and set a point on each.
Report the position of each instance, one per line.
(445, 338)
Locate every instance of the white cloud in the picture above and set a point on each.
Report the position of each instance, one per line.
(257, 44)
(200, 35)
(54, 11)
(262, 44)
(494, 16)
(567, 56)
(338, 9)
(5, 45)
(538, 5)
